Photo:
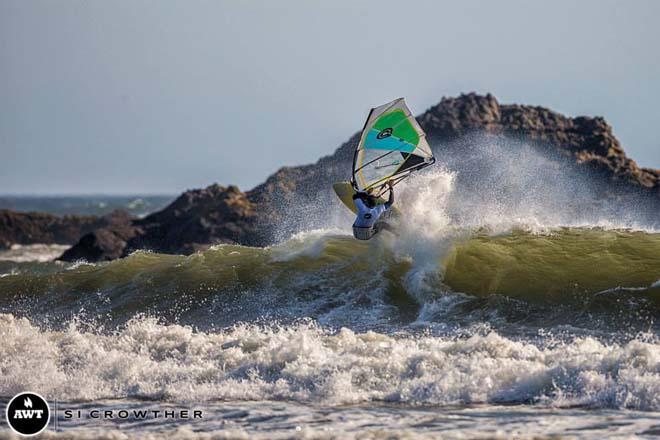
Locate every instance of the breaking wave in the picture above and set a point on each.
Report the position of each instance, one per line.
(307, 363)
(571, 276)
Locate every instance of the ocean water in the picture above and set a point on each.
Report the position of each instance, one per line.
(138, 205)
(520, 323)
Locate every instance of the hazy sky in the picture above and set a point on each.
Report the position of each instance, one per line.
(160, 96)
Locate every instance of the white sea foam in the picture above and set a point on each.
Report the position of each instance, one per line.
(306, 363)
(304, 244)
(33, 252)
(425, 230)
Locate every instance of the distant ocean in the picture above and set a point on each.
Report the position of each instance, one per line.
(139, 205)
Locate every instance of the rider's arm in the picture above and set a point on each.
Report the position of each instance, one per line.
(390, 201)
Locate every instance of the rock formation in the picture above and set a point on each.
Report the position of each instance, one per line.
(44, 228)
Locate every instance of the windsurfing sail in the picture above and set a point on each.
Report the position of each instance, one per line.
(391, 147)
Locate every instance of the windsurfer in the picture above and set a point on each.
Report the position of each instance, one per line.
(392, 147)
(371, 213)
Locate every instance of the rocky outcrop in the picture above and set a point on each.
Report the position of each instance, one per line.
(40, 227)
(196, 220)
(107, 242)
(587, 141)
(217, 214)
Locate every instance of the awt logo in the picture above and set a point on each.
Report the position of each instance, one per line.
(28, 414)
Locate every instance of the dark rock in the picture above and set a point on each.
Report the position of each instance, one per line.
(106, 242)
(100, 245)
(587, 141)
(198, 219)
(44, 228)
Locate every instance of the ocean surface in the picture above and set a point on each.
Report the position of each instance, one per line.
(521, 323)
(138, 205)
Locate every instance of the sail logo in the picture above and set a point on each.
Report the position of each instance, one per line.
(27, 414)
(385, 133)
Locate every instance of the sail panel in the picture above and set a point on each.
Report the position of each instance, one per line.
(392, 143)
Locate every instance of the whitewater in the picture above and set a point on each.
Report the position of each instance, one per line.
(512, 308)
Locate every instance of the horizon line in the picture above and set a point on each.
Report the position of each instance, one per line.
(91, 194)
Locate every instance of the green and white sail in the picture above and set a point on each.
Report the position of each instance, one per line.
(392, 146)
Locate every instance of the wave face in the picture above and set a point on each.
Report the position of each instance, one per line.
(601, 279)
